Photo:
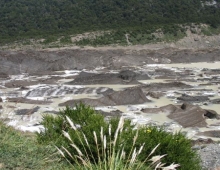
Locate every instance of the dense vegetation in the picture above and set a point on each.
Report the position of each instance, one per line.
(39, 18)
(81, 125)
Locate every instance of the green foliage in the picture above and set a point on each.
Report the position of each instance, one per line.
(37, 18)
(21, 151)
(82, 115)
(49, 39)
(176, 146)
(208, 31)
(137, 35)
(65, 40)
(109, 155)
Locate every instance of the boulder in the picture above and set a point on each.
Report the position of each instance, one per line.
(1, 107)
(126, 97)
(1, 100)
(211, 114)
(127, 75)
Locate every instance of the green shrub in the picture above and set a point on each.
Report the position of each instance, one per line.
(209, 31)
(87, 120)
(109, 155)
(65, 40)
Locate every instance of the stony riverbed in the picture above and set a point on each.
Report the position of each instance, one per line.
(179, 96)
(176, 88)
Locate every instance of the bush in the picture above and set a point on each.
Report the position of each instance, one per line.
(87, 120)
(109, 155)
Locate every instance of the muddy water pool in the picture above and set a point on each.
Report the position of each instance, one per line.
(203, 77)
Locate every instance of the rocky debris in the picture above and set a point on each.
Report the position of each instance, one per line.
(129, 75)
(128, 96)
(188, 98)
(210, 156)
(1, 107)
(163, 73)
(211, 71)
(215, 101)
(3, 75)
(31, 61)
(11, 107)
(210, 133)
(23, 88)
(28, 101)
(53, 112)
(123, 77)
(201, 141)
(155, 95)
(186, 115)
(27, 111)
(164, 86)
(211, 114)
(43, 73)
(114, 113)
(64, 90)
(23, 83)
(19, 83)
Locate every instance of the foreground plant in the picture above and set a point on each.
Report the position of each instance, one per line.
(93, 135)
(110, 159)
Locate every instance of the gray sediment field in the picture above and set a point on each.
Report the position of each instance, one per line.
(172, 87)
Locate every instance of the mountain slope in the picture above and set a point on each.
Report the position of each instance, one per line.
(20, 18)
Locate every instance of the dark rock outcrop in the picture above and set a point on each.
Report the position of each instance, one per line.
(125, 97)
(211, 114)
